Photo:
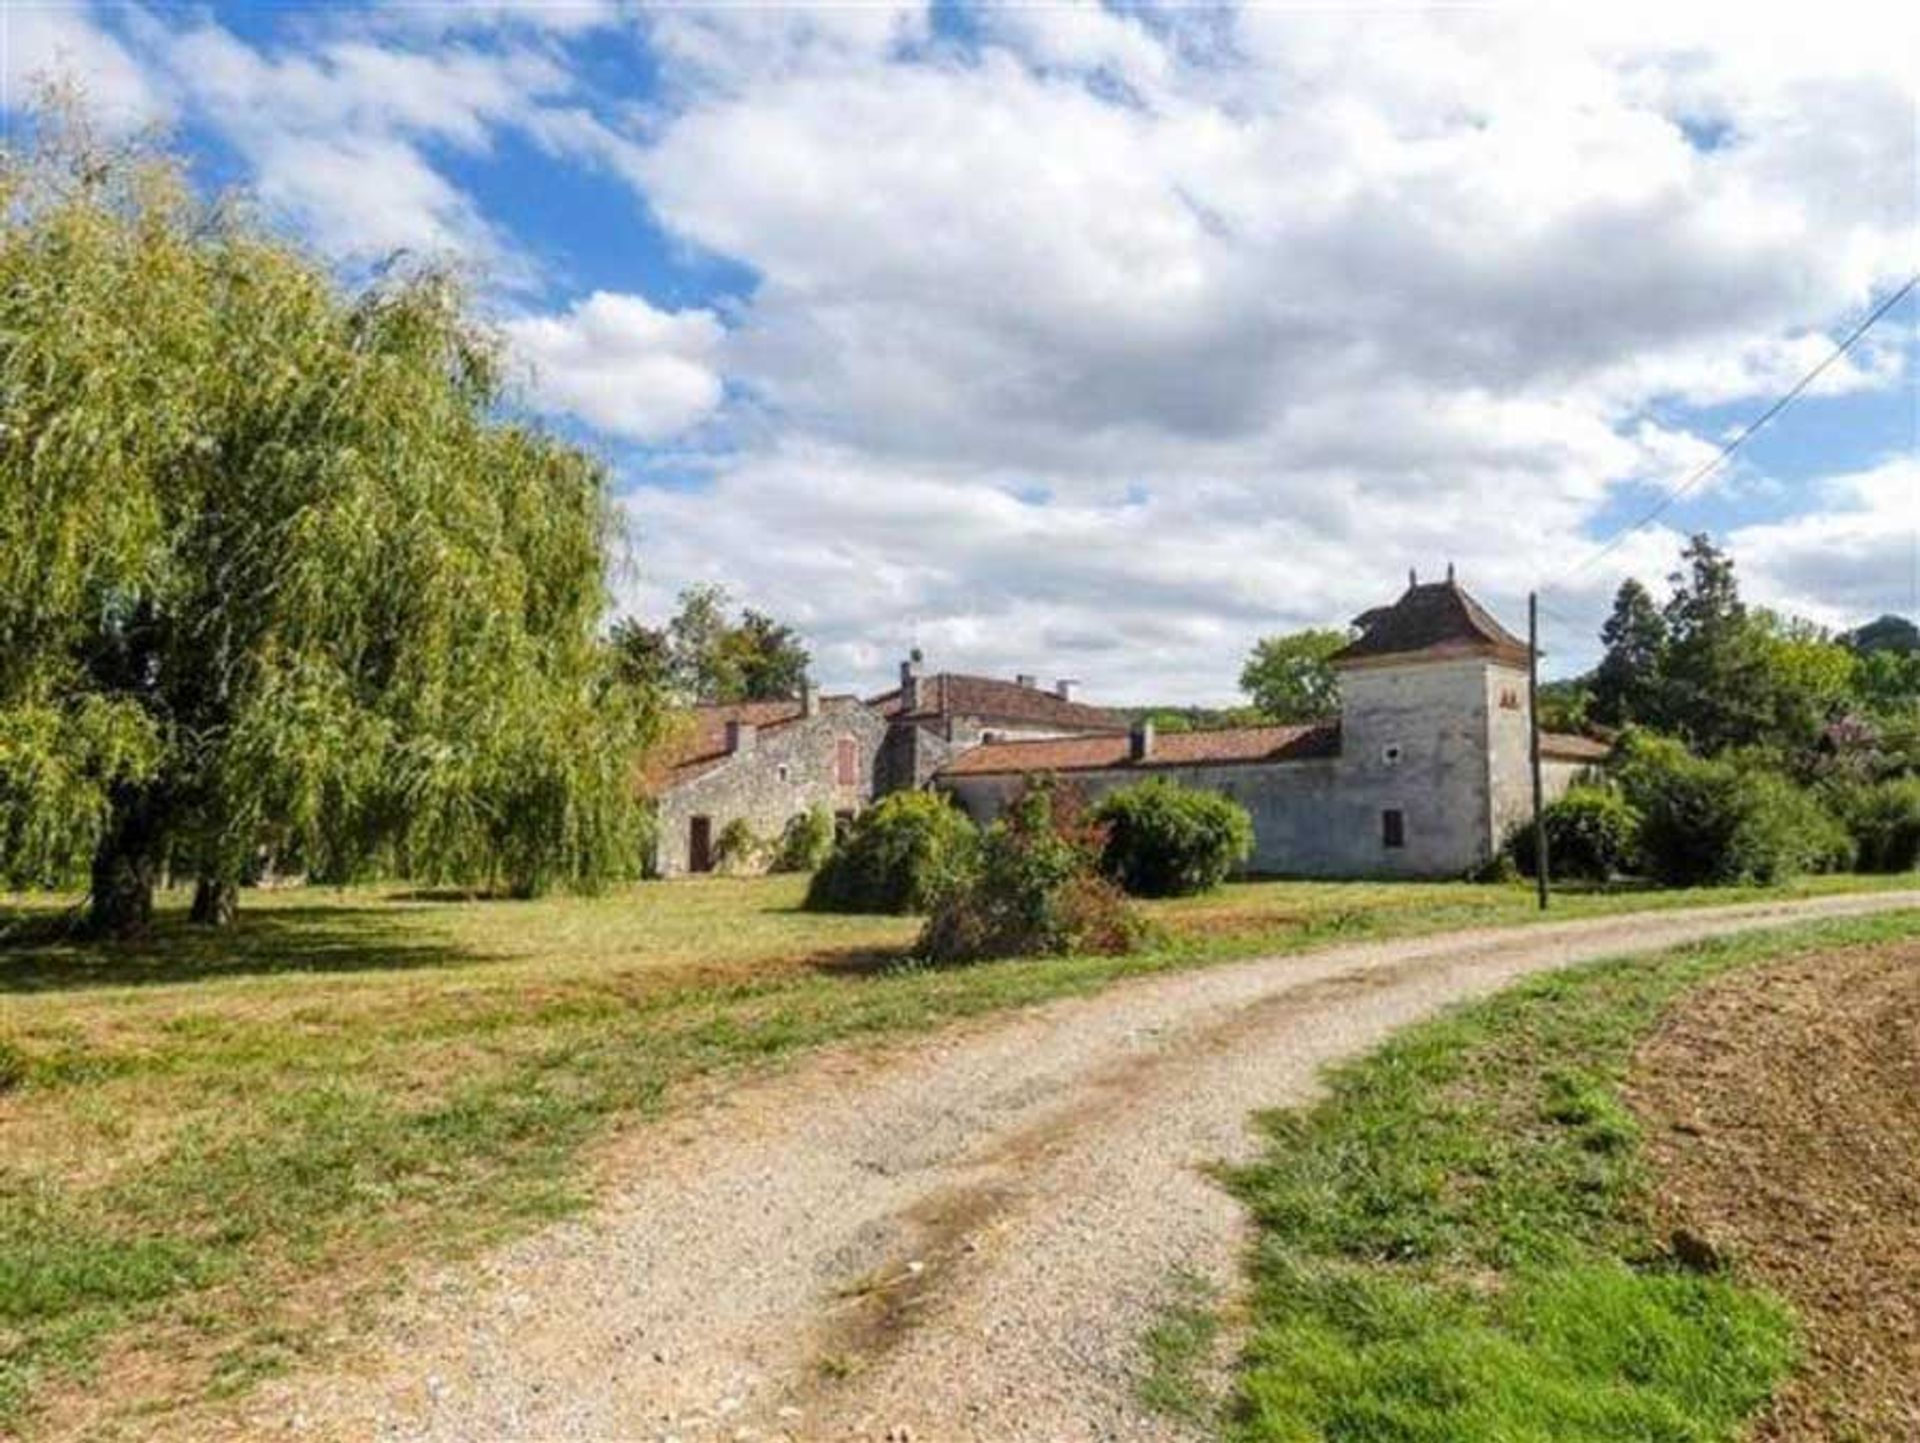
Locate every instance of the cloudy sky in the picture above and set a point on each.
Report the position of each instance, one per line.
(1099, 341)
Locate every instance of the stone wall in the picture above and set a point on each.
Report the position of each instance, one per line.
(783, 771)
(1443, 743)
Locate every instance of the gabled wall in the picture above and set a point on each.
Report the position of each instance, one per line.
(750, 784)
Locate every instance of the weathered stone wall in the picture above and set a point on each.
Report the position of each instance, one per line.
(787, 770)
(1436, 741)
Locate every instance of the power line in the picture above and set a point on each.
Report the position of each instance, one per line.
(1707, 468)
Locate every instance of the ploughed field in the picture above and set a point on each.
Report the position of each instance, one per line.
(210, 1139)
(1782, 1116)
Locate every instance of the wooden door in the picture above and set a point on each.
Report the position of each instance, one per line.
(700, 845)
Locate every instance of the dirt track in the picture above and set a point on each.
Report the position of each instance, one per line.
(962, 1239)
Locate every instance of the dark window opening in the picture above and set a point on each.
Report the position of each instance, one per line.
(1393, 828)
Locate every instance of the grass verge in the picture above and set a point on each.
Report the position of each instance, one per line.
(212, 1146)
(1455, 1244)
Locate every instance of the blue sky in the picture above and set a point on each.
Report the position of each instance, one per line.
(1098, 341)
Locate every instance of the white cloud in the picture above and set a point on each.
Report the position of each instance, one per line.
(1264, 322)
(1848, 561)
(622, 366)
(60, 42)
(336, 135)
(1100, 342)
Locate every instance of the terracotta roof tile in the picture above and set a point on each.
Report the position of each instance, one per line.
(949, 693)
(1439, 619)
(1566, 747)
(1227, 746)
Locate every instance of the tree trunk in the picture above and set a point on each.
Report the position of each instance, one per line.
(215, 902)
(121, 900)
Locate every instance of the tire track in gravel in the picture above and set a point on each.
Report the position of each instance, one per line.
(959, 1239)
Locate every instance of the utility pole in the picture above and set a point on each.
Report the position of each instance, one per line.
(1533, 747)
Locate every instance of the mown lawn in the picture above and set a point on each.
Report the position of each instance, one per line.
(210, 1137)
(1456, 1244)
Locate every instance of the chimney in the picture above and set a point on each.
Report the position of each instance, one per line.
(1413, 577)
(1063, 688)
(741, 736)
(1140, 740)
(910, 682)
(1028, 680)
(1449, 572)
(809, 697)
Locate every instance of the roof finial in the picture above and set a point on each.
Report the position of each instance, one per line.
(1413, 577)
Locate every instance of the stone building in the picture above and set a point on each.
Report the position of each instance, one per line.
(1423, 774)
(762, 763)
(765, 762)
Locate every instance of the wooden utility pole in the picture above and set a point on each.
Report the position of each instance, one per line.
(1533, 745)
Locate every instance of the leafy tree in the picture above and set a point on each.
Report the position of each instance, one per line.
(1566, 705)
(767, 656)
(1884, 634)
(1709, 670)
(1034, 889)
(1627, 679)
(1166, 840)
(1289, 679)
(643, 655)
(272, 572)
(702, 657)
(897, 857)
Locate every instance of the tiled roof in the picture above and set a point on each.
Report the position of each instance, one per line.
(1566, 747)
(703, 734)
(1225, 747)
(949, 693)
(1439, 619)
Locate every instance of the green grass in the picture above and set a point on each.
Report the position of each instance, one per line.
(211, 1140)
(1179, 1348)
(1454, 1244)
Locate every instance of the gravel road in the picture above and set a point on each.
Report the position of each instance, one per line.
(956, 1239)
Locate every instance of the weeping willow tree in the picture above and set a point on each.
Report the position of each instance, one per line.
(274, 571)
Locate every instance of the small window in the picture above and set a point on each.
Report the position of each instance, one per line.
(1393, 828)
(846, 763)
(1390, 754)
(1509, 699)
(784, 772)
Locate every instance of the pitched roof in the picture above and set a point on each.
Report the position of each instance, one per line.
(950, 693)
(1566, 747)
(1437, 619)
(705, 732)
(1224, 747)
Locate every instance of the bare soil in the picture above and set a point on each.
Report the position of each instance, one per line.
(1782, 1111)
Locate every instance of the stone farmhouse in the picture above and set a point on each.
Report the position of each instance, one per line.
(1422, 775)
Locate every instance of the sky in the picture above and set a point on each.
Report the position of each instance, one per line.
(1098, 341)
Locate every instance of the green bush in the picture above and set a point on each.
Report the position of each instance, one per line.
(1036, 890)
(806, 842)
(737, 848)
(1884, 822)
(896, 857)
(1714, 822)
(1165, 840)
(1592, 833)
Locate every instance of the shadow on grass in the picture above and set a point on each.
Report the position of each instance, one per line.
(861, 961)
(42, 951)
